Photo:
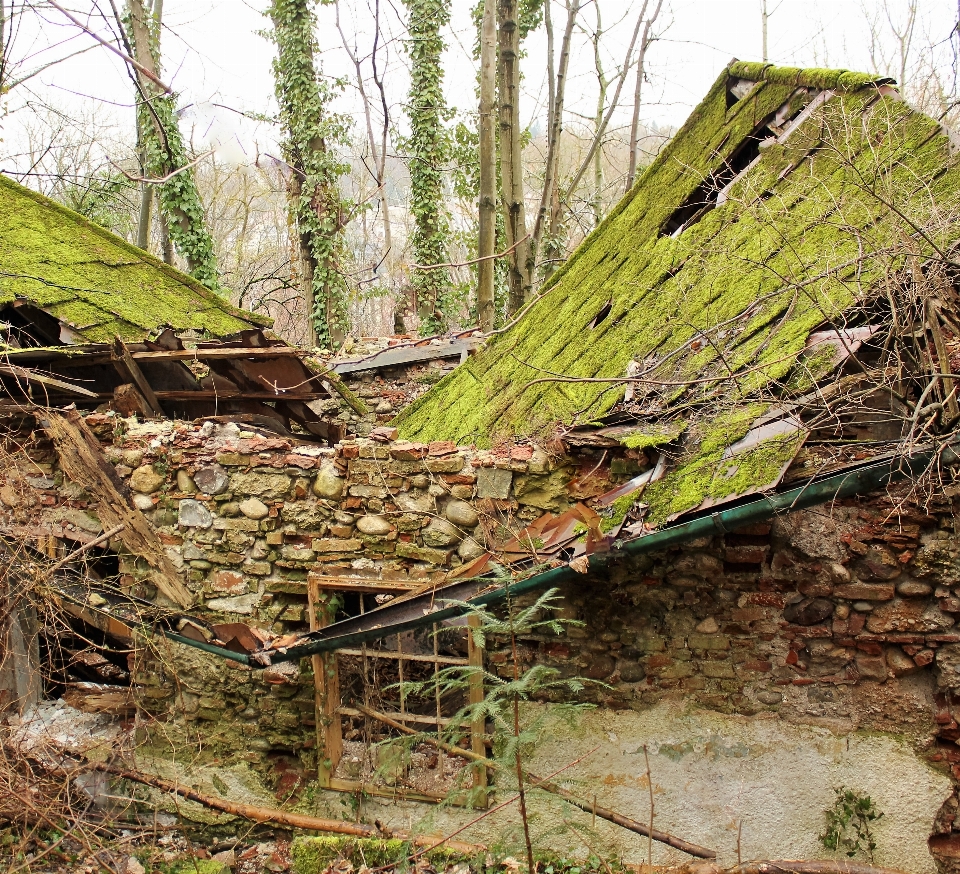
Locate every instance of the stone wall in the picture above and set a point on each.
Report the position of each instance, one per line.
(841, 616)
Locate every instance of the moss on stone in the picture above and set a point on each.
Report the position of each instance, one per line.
(313, 855)
(96, 282)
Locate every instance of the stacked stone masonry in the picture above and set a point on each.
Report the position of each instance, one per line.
(842, 616)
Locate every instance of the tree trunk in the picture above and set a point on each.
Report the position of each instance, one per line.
(428, 156)
(549, 198)
(638, 87)
(487, 232)
(602, 84)
(511, 153)
(164, 151)
(315, 194)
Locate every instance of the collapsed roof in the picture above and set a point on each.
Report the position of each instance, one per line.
(795, 232)
(87, 318)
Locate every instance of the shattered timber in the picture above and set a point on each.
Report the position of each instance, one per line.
(724, 433)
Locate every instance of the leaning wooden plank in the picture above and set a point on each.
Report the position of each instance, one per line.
(84, 463)
(393, 357)
(278, 817)
(42, 379)
(219, 352)
(125, 364)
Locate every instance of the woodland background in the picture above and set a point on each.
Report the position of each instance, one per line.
(342, 165)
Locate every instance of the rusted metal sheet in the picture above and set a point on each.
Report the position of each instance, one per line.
(406, 355)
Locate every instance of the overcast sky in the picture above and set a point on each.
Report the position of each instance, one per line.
(213, 55)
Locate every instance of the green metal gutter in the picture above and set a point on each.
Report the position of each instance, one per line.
(423, 610)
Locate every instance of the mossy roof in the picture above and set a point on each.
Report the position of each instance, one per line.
(97, 283)
(802, 237)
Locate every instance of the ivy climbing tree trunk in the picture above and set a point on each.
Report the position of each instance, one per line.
(486, 242)
(511, 151)
(164, 152)
(428, 148)
(310, 132)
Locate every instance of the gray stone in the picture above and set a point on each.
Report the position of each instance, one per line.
(212, 480)
(190, 552)
(243, 604)
(632, 673)
(863, 606)
(769, 698)
(146, 480)
(708, 626)
(440, 532)
(263, 485)
(492, 482)
(296, 553)
(462, 514)
(375, 526)
(539, 461)
(254, 508)
(328, 484)
(469, 549)
(411, 503)
(307, 517)
(185, 483)
(142, 502)
(193, 514)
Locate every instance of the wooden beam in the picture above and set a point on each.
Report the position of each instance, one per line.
(407, 657)
(82, 460)
(326, 695)
(363, 585)
(221, 352)
(126, 366)
(42, 379)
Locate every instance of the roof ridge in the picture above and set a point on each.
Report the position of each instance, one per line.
(808, 77)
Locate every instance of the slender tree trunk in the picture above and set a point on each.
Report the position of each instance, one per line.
(602, 84)
(764, 19)
(511, 154)
(549, 198)
(429, 153)
(487, 231)
(165, 152)
(314, 190)
(638, 87)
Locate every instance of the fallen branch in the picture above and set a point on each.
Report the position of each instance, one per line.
(108, 45)
(472, 260)
(160, 181)
(255, 813)
(88, 545)
(788, 866)
(554, 789)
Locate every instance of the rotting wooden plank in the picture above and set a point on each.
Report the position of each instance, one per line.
(367, 586)
(82, 460)
(127, 366)
(326, 681)
(220, 352)
(42, 379)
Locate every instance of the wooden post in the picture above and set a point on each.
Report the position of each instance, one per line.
(327, 695)
(477, 728)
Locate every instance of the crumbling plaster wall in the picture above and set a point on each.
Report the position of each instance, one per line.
(839, 618)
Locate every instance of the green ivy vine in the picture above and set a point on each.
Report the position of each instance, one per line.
(311, 133)
(162, 153)
(429, 151)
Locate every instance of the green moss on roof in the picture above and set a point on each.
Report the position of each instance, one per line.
(722, 311)
(97, 282)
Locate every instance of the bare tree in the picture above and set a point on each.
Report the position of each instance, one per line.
(645, 40)
(486, 237)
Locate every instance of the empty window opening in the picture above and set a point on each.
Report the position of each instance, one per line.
(706, 195)
(737, 89)
(604, 312)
